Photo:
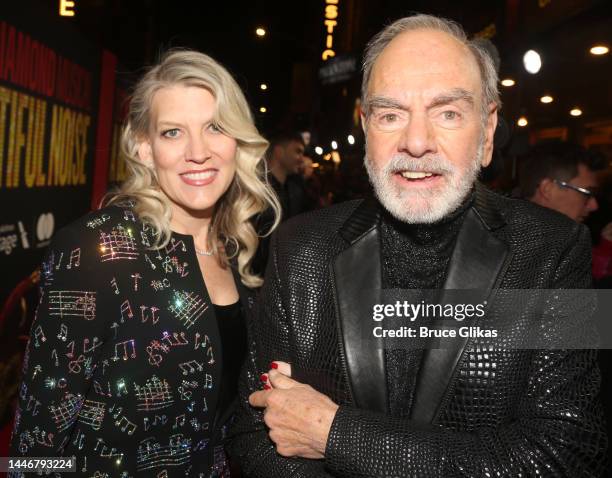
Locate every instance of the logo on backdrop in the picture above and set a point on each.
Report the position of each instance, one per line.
(45, 226)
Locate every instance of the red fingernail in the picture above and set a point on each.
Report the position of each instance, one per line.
(267, 387)
(263, 377)
(274, 365)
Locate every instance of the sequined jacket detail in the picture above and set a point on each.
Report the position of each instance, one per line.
(477, 411)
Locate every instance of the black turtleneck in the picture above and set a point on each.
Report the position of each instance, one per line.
(414, 256)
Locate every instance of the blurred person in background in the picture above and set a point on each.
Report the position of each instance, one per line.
(137, 343)
(284, 162)
(561, 176)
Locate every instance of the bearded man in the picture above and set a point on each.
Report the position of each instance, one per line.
(350, 407)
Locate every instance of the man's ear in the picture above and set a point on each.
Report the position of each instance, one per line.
(489, 133)
(145, 153)
(545, 188)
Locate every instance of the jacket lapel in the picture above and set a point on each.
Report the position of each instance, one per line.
(478, 262)
(357, 278)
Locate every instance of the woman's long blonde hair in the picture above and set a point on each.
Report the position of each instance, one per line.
(249, 192)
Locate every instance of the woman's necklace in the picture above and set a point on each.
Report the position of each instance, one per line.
(203, 252)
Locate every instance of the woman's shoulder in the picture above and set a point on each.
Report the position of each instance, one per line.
(116, 219)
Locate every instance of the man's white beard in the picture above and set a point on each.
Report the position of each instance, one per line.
(420, 205)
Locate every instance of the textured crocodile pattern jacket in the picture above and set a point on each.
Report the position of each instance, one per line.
(477, 410)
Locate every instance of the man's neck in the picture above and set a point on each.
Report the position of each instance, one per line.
(279, 173)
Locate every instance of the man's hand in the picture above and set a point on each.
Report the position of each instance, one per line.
(299, 417)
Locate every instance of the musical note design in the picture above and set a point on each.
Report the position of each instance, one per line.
(146, 317)
(126, 308)
(162, 419)
(121, 388)
(75, 258)
(98, 221)
(125, 425)
(179, 421)
(59, 263)
(63, 335)
(195, 424)
(39, 336)
(54, 355)
(125, 350)
(71, 347)
(115, 286)
(180, 268)
(159, 420)
(115, 326)
(46, 269)
(150, 262)
(74, 366)
(191, 367)
(100, 391)
(187, 307)
(65, 414)
(37, 370)
(175, 340)
(128, 215)
(92, 413)
(173, 244)
(152, 454)
(136, 276)
(95, 344)
(162, 474)
(156, 359)
(42, 437)
(154, 395)
(119, 244)
(160, 284)
(201, 445)
(79, 439)
(33, 405)
(72, 303)
(105, 452)
(184, 389)
(104, 365)
(205, 344)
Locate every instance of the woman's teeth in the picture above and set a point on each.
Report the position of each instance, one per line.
(200, 175)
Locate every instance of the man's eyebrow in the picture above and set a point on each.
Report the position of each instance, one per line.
(456, 94)
(384, 102)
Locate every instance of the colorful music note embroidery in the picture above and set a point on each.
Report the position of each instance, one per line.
(72, 303)
(154, 395)
(119, 244)
(187, 307)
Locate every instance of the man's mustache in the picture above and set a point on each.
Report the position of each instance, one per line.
(427, 164)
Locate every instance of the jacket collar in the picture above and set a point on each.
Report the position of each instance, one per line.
(477, 262)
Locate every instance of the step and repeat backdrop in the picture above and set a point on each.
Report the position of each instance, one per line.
(60, 115)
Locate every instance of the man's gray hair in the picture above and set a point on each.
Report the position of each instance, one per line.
(488, 74)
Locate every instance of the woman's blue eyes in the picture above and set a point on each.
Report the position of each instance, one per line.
(171, 133)
(176, 132)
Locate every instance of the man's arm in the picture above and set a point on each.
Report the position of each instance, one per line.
(269, 339)
(557, 430)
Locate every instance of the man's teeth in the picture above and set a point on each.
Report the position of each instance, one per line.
(415, 174)
(201, 175)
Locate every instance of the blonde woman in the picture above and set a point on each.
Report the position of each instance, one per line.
(140, 334)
